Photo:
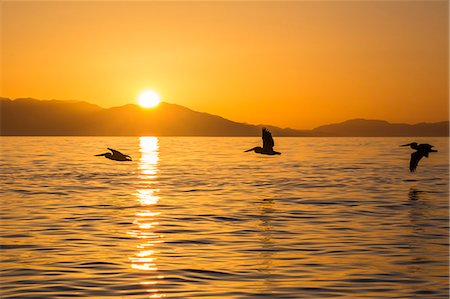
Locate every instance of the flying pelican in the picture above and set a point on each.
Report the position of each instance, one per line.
(422, 150)
(268, 144)
(116, 155)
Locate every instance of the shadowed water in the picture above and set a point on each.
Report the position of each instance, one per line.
(197, 217)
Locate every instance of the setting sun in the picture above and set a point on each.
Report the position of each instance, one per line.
(148, 99)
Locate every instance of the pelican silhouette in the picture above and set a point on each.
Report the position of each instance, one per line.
(116, 155)
(268, 144)
(422, 150)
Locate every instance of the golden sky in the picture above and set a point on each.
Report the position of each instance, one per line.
(294, 64)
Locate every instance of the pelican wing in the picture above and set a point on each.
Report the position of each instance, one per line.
(116, 153)
(425, 147)
(268, 142)
(415, 158)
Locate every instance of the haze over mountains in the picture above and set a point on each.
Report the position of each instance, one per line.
(33, 117)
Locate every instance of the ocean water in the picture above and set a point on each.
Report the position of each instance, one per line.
(199, 218)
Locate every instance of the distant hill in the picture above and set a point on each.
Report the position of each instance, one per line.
(381, 128)
(33, 117)
(51, 117)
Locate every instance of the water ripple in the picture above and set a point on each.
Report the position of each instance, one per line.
(196, 217)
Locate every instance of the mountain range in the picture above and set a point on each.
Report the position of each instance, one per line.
(31, 117)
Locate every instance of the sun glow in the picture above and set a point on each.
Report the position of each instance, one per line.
(148, 99)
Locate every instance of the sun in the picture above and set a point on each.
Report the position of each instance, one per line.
(148, 99)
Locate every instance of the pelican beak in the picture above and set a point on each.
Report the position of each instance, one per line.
(101, 154)
(249, 150)
(406, 144)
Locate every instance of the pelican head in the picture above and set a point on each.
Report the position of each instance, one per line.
(257, 149)
(412, 144)
(107, 155)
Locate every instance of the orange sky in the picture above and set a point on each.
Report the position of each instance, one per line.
(296, 64)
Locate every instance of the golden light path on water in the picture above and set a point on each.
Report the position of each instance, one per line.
(146, 219)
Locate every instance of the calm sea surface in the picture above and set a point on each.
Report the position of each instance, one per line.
(199, 218)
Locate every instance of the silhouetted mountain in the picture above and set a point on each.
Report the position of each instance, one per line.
(374, 128)
(39, 117)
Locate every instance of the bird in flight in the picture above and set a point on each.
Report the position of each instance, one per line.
(422, 150)
(116, 155)
(268, 144)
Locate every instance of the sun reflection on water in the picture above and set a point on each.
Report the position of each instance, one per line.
(145, 257)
